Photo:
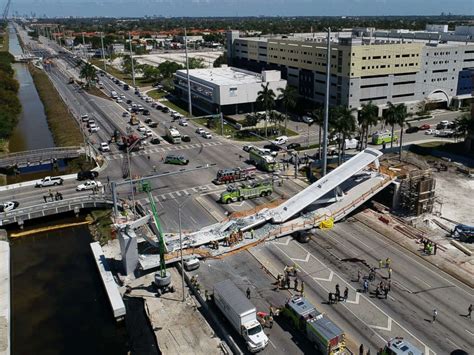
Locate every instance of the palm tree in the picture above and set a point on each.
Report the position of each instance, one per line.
(266, 98)
(391, 119)
(318, 116)
(88, 72)
(344, 124)
(288, 96)
(368, 116)
(464, 124)
(401, 114)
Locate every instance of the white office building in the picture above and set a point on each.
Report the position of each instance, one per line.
(225, 89)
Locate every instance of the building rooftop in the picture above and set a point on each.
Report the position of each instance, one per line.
(224, 76)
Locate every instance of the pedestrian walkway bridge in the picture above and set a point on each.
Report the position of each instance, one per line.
(75, 204)
(26, 57)
(39, 156)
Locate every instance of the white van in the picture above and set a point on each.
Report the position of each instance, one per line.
(351, 143)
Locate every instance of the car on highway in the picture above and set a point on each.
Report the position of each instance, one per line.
(148, 120)
(424, 127)
(153, 104)
(153, 124)
(140, 107)
(272, 147)
(185, 138)
(104, 147)
(176, 159)
(199, 130)
(122, 96)
(89, 185)
(183, 122)
(206, 135)
(49, 181)
(93, 128)
(280, 140)
(443, 124)
(444, 133)
(247, 148)
(87, 175)
(146, 112)
(125, 114)
(165, 109)
(119, 100)
(85, 117)
(412, 129)
(148, 99)
(137, 92)
(293, 146)
(141, 128)
(159, 107)
(129, 102)
(148, 133)
(8, 206)
(155, 140)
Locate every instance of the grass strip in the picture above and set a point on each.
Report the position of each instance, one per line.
(63, 126)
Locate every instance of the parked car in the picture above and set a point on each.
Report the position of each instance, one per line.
(89, 185)
(425, 127)
(280, 140)
(442, 125)
(430, 131)
(8, 206)
(185, 138)
(412, 129)
(445, 133)
(272, 147)
(104, 147)
(247, 148)
(176, 159)
(87, 175)
(307, 119)
(293, 146)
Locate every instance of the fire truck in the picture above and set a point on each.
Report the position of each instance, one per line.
(225, 176)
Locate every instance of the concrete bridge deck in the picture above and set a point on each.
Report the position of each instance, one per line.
(39, 156)
(55, 207)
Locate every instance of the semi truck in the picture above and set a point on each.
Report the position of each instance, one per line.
(173, 135)
(225, 176)
(320, 330)
(262, 159)
(244, 192)
(241, 314)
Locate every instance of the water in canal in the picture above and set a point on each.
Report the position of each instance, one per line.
(32, 131)
(59, 305)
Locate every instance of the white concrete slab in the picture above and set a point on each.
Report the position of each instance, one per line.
(115, 299)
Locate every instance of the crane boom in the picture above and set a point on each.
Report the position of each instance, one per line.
(6, 9)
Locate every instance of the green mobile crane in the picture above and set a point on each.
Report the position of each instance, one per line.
(162, 277)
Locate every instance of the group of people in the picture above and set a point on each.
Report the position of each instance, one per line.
(383, 288)
(54, 197)
(284, 281)
(429, 247)
(336, 296)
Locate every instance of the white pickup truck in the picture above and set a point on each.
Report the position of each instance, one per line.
(49, 181)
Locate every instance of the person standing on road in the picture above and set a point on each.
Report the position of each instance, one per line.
(388, 262)
(435, 315)
(469, 311)
(302, 288)
(361, 349)
(296, 285)
(366, 286)
(380, 263)
(358, 275)
(45, 199)
(389, 273)
(346, 294)
(248, 293)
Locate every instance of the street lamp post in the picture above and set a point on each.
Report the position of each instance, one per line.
(131, 58)
(190, 106)
(130, 176)
(326, 103)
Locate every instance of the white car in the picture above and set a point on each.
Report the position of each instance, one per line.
(148, 99)
(93, 128)
(280, 140)
(148, 133)
(122, 96)
(119, 100)
(89, 185)
(126, 114)
(104, 147)
(430, 131)
(200, 130)
(85, 117)
(206, 135)
(183, 122)
(141, 128)
(8, 206)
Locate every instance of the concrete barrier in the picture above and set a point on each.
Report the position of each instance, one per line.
(461, 247)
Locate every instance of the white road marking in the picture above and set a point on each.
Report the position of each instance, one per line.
(388, 328)
(272, 343)
(452, 342)
(178, 193)
(305, 260)
(426, 283)
(469, 332)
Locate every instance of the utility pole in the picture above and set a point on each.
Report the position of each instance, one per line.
(131, 58)
(326, 104)
(83, 46)
(190, 106)
(222, 124)
(103, 52)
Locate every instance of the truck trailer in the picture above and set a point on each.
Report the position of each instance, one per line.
(241, 313)
(225, 176)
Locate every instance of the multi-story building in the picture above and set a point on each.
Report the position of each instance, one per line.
(367, 65)
(225, 89)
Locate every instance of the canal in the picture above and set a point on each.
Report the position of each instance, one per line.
(59, 305)
(32, 131)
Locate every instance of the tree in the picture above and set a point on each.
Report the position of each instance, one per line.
(288, 97)
(127, 65)
(222, 59)
(344, 124)
(167, 68)
(88, 72)
(368, 116)
(266, 98)
(391, 119)
(196, 63)
(150, 72)
(464, 125)
(401, 114)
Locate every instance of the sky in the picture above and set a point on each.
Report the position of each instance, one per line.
(198, 8)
